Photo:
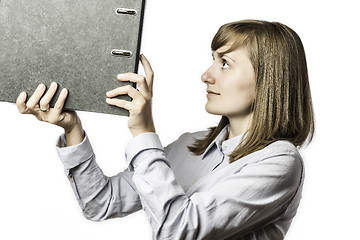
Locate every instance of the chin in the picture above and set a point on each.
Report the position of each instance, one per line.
(213, 110)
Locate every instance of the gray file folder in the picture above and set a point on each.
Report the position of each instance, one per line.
(81, 45)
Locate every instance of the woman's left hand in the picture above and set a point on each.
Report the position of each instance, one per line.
(140, 120)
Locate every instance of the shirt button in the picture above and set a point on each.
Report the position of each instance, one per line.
(70, 177)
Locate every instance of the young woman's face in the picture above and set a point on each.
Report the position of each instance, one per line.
(230, 83)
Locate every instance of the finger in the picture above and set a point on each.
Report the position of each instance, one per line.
(45, 100)
(58, 107)
(20, 103)
(135, 78)
(35, 98)
(119, 103)
(149, 73)
(127, 89)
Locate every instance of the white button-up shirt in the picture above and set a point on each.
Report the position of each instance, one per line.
(186, 196)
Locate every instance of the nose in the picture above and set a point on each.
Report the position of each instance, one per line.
(207, 77)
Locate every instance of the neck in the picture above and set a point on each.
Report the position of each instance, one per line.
(239, 125)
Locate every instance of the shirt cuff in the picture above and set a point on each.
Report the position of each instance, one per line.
(73, 156)
(139, 144)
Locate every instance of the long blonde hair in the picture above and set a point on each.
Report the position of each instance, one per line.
(282, 109)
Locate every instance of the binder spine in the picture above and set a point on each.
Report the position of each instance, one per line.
(142, 15)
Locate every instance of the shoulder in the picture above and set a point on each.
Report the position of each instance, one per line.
(281, 158)
(185, 140)
(280, 148)
(284, 151)
(191, 136)
(275, 149)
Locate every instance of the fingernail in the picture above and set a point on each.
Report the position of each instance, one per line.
(120, 75)
(53, 84)
(64, 91)
(22, 95)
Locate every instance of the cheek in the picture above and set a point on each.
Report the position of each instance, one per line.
(248, 93)
(241, 96)
(245, 84)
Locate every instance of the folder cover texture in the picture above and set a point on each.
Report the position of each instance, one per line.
(81, 45)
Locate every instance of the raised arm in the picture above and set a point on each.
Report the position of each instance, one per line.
(99, 196)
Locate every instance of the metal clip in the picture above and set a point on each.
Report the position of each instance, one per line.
(126, 11)
(121, 53)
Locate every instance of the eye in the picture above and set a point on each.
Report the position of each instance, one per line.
(225, 64)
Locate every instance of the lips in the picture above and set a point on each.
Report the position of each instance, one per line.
(212, 92)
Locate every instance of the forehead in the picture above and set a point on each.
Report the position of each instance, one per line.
(223, 49)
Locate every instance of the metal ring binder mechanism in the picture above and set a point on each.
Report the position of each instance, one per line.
(94, 41)
(121, 53)
(126, 11)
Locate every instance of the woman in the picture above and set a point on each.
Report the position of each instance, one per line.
(240, 180)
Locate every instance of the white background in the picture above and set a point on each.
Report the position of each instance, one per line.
(36, 199)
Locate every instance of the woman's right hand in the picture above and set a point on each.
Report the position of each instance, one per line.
(38, 105)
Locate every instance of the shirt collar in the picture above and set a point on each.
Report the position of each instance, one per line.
(218, 140)
(229, 145)
(224, 145)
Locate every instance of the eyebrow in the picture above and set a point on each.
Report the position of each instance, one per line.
(221, 54)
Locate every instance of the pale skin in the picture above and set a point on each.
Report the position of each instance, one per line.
(230, 86)
(140, 120)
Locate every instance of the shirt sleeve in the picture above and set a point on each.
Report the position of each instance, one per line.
(242, 202)
(100, 197)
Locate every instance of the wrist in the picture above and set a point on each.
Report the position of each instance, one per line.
(74, 125)
(75, 135)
